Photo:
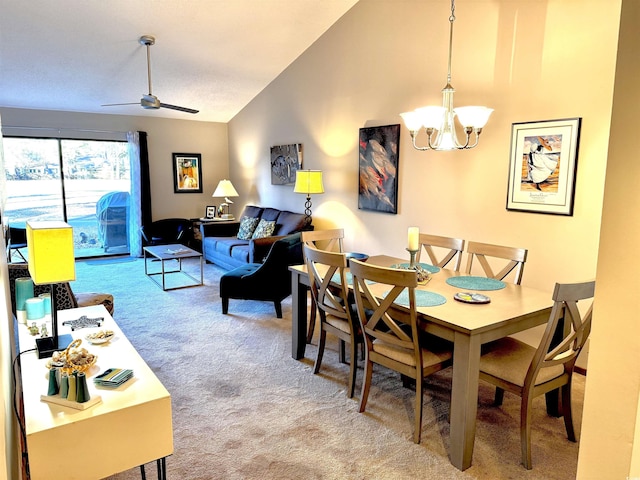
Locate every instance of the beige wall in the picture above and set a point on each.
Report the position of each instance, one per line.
(165, 136)
(607, 447)
(530, 60)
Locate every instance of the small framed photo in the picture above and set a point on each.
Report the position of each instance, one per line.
(187, 173)
(210, 212)
(542, 169)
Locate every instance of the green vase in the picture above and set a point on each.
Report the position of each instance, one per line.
(53, 381)
(82, 394)
(64, 385)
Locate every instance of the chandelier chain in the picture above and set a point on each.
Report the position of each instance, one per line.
(452, 18)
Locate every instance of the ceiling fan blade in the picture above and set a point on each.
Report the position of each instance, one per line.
(117, 104)
(181, 109)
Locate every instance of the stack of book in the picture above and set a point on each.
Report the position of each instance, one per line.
(113, 377)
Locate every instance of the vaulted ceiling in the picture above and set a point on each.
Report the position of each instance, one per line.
(210, 55)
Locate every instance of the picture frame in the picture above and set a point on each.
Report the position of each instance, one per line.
(187, 173)
(543, 165)
(210, 211)
(379, 152)
(286, 160)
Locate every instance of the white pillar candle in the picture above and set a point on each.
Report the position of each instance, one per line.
(414, 232)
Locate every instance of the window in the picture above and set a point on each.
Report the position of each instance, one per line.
(83, 182)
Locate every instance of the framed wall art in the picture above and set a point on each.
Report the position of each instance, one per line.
(286, 160)
(187, 173)
(378, 168)
(542, 169)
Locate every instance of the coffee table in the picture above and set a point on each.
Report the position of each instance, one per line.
(170, 252)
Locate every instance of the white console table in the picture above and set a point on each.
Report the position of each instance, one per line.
(130, 427)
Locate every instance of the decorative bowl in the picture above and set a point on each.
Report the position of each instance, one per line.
(363, 257)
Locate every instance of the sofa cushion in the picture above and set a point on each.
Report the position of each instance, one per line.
(270, 214)
(247, 227)
(252, 211)
(264, 229)
(226, 246)
(289, 222)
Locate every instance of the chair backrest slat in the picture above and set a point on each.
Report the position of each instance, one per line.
(374, 314)
(554, 351)
(329, 240)
(515, 257)
(455, 246)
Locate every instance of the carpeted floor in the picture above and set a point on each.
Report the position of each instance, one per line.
(244, 409)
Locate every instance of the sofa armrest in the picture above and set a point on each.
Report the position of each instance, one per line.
(219, 229)
(259, 247)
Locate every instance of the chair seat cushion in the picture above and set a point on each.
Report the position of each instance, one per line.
(440, 353)
(509, 359)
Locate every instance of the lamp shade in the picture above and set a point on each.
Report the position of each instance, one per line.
(308, 181)
(51, 256)
(225, 189)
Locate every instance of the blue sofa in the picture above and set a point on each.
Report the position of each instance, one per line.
(221, 245)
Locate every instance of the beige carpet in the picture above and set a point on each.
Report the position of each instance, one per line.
(244, 409)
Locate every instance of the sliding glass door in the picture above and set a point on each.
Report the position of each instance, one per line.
(83, 182)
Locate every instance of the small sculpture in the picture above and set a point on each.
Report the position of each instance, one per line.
(33, 329)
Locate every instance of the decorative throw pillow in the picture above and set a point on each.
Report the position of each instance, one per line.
(264, 229)
(247, 226)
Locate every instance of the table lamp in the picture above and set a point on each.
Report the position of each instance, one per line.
(225, 189)
(51, 261)
(308, 182)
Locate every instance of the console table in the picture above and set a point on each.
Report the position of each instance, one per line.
(131, 426)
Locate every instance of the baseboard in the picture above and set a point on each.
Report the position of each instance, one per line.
(580, 370)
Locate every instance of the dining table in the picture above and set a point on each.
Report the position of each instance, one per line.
(507, 309)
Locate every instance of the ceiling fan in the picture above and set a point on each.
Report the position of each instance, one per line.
(150, 101)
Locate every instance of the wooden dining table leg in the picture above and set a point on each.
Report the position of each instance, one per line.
(464, 399)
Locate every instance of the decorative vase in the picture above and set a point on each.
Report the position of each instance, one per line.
(24, 290)
(53, 381)
(64, 385)
(82, 394)
(71, 395)
(34, 308)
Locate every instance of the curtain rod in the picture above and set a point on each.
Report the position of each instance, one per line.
(61, 129)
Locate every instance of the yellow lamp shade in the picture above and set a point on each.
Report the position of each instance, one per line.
(308, 181)
(51, 256)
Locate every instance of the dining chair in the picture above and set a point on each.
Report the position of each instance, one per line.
(16, 240)
(326, 270)
(329, 240)
(528, 371)
(516, 257)
(455, 248)
(391, 334)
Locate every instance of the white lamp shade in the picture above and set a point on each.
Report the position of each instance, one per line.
(476, 117)
(308, 181)
(225, 189)
(51, 255)
(432, 116)
(412, 120)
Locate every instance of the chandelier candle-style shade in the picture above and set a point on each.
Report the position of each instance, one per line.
(308, 182)
(441, 119)
(225, 189)
(51, 261)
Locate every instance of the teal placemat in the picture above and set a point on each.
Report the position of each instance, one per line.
(424, 298)
(476, 283)
(425, 266)
(348, 276)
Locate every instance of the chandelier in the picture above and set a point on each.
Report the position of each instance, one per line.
(440, 119)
